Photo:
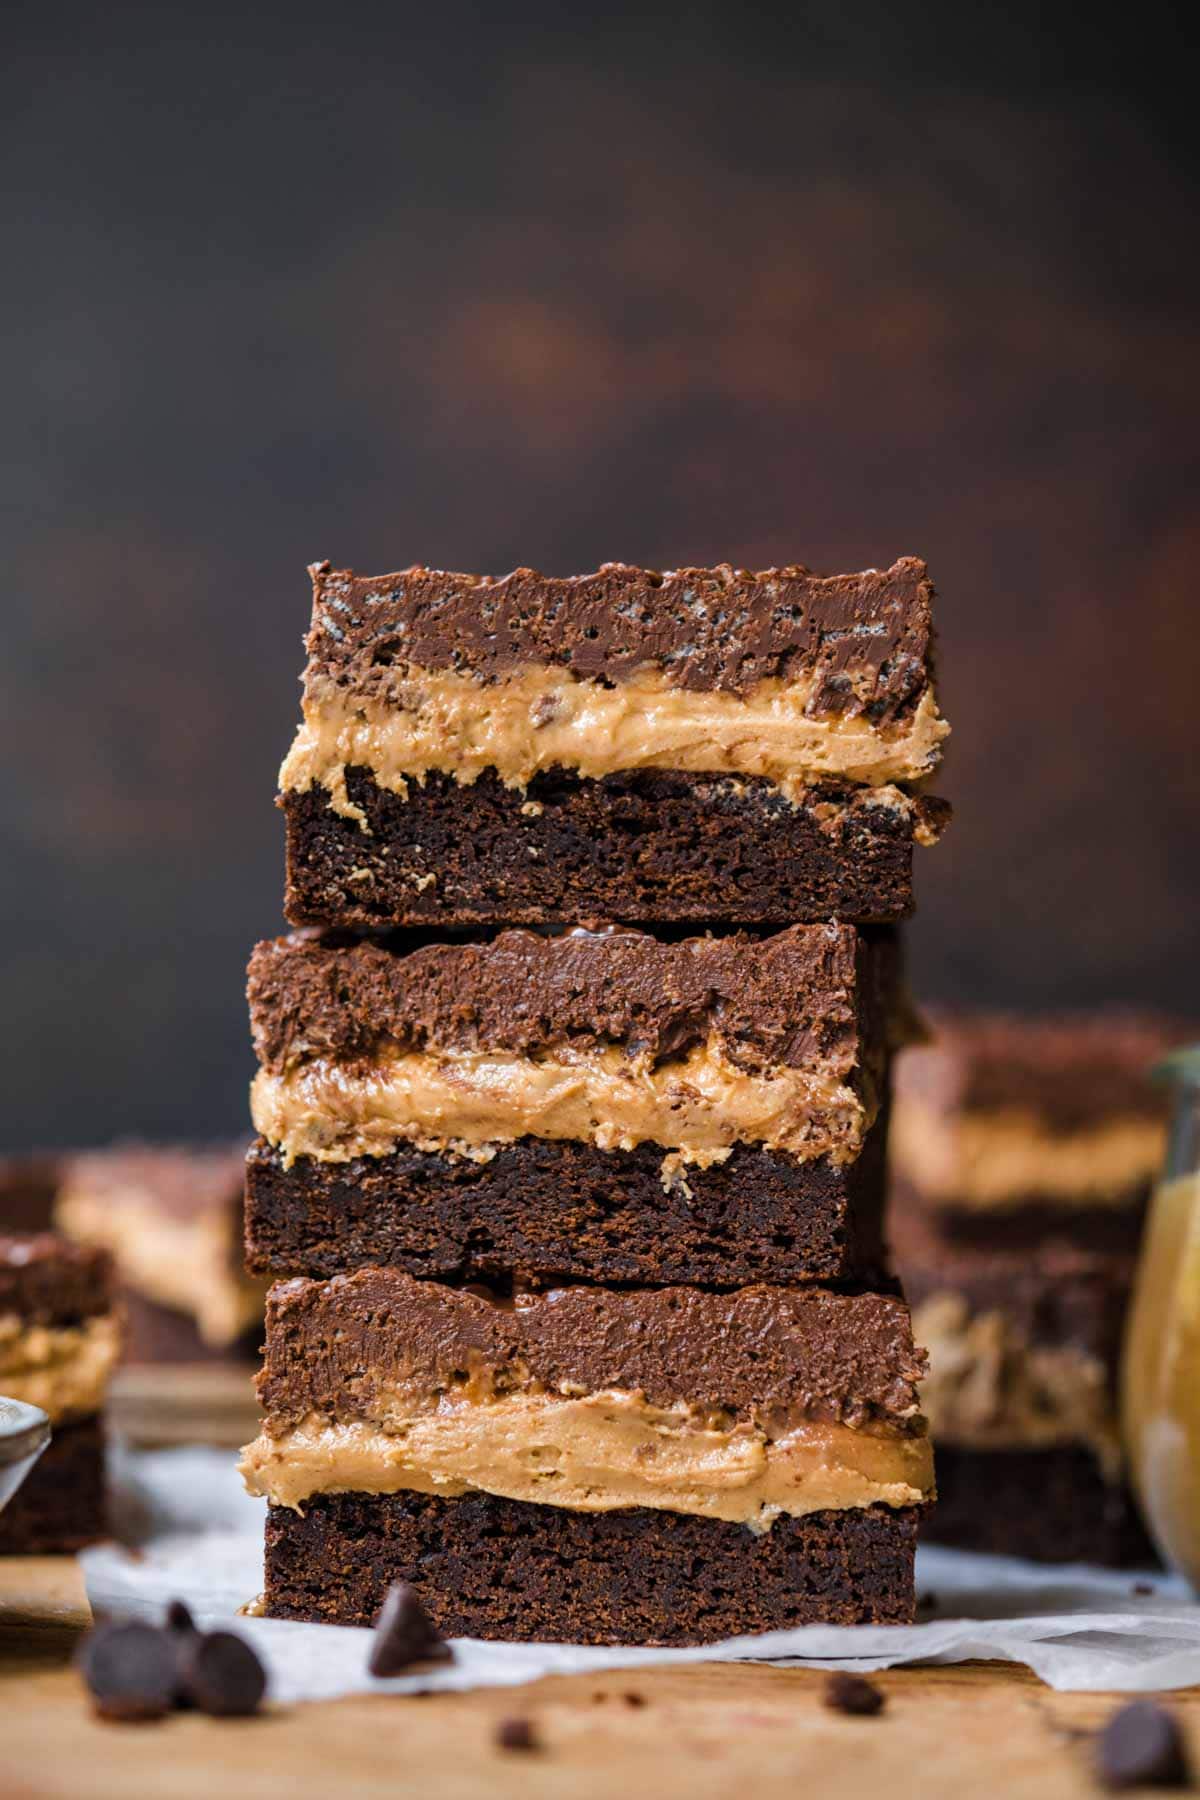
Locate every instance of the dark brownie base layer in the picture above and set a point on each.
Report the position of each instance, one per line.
(1050, 1505)
(644, 847)
(492, 1568)
(545, 1212)
(61, 1505)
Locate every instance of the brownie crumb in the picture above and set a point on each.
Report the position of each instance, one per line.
(633, 1699)
(516, 1734)
(1142, 1746)
(127, 1674)
(1142, 1587)
(853, 1694)
(405, 1634)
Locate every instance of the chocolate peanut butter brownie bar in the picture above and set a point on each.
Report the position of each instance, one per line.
(1019, 1128)
(171, 1216)
(661, 1466)
(1024, 1150)
(599, 1105)
(704, 745)
(60, 1339)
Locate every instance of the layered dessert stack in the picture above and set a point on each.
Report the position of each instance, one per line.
(1023, 1155)
(583, 1323)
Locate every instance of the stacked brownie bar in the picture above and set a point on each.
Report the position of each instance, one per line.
(1023, 1153)
(585, 1326)
(60, 1339)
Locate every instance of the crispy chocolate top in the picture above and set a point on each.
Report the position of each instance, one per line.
(47, 1280)
(867, 639)
(808, 993)
(182, 1181)
(334, 1347)
(1070, 1070)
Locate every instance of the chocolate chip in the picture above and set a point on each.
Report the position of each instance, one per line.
(405, 1634)
(1142, 1745)
(632, 1699)
(516, 1734)
(128, 1670)
(179, 1617)
(853, 1694)
(219, 1673)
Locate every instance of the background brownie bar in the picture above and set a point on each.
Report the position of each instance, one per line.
(542, 1213)
(1051, 1505)
(496, 1568)
(171, 1216)
(647, 847)
(1034, 1127)
(62, 1505)
(48, 1284)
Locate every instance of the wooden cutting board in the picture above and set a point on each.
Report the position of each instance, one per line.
(712, 1731)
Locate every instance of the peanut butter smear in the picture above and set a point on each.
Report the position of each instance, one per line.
(989, 1389)
(467, 1102)
(64, 1369)
(591, 1453)
(191, 1265)
(996, 1159)
(539, 717)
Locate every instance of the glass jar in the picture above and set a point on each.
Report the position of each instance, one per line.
(1161, 1367)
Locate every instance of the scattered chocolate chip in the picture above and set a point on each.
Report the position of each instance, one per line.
(219, 1673)
(853, 1694)
(179, 1617)
(632, 1699)
(516, 1734)
(1142, 1745)
(127, 1673)
(405, 1634)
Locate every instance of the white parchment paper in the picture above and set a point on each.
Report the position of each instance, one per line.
(198, 1536)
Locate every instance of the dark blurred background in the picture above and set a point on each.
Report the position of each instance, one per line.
(487, 285)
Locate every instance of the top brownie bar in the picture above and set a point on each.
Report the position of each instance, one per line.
(703, 744)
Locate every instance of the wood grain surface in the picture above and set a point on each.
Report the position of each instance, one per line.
(714, 1730)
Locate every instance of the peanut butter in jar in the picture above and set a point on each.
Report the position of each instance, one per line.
(1161, 1365)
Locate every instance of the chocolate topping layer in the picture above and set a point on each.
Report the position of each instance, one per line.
(811, 993)
(867, 637)
(1069, 1071)
(340, 1347)
(48, 1281)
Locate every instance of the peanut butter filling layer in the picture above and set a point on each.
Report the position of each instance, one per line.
(991, 1160)
(989, 1389)
(190, 1265)
(64, 1369)
(539, 717)
(697, 1107)
(591, 1453)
